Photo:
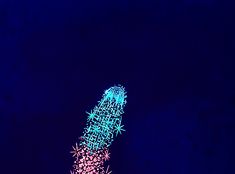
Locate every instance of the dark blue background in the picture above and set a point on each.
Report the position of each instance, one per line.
(174, 58)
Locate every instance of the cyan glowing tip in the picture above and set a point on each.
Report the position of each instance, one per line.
(116, 94)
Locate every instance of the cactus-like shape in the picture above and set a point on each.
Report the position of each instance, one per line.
(104, 122)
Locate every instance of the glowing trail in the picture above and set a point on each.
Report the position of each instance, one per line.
(104, 122)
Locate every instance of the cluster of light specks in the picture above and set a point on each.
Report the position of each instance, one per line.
(89, 163)
(104, 122)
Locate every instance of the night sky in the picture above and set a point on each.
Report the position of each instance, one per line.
(175, 59)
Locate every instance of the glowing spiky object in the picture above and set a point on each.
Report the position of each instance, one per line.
(103, 124)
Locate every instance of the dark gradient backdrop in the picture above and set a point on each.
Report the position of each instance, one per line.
(174, 58)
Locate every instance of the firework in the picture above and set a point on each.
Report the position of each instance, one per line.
(104, 123)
